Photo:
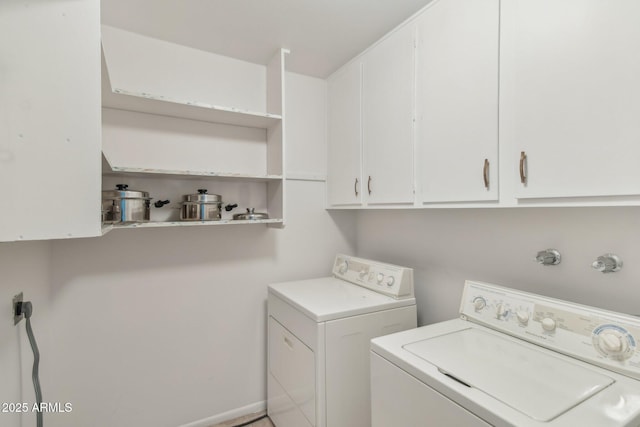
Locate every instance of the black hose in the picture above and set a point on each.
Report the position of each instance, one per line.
(251, 421)
(36, 360)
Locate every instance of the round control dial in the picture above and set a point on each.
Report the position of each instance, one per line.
(479, 303)
(343, 267)
(548, 324)
(380, 278)
(614, 342)
(390, 281)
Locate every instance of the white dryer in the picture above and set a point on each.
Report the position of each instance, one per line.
(511, 359)
(319, 335)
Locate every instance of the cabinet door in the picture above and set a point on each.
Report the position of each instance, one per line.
(457, 101)
(572, 96)
(387, 119)
(49, 119)
(344, 170)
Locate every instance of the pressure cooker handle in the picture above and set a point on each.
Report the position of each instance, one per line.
(122, 187)
(161, 203)
(202, 191)
(228, 208)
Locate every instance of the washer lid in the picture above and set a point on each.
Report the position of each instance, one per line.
(534, 382)
(330, 298)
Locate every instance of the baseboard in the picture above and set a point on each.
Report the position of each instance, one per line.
(229, 415)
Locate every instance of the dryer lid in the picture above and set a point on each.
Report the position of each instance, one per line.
(531, 380)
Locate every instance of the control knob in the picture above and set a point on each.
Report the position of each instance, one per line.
(548, 324)
(390, 281)
(363, 273)
(379, 278)
(614, 342)
(343, 267)
(523, 317)
(611, 343)
(479, 303)
(500, 311)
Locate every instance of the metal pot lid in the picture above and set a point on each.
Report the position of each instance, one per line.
(122, 192)
(202, 197)
(250, 214)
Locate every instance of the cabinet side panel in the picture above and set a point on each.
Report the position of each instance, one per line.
(276, 199)
(276, 134)
(50, 119)
(275, 83)
(275, 149)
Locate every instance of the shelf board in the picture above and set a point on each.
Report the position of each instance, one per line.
(166, 173)
(121, 99)
(108, 227)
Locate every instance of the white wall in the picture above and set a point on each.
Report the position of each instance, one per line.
(26, 268)
(306, 127)
(166, 326)
(163, 327)
(447, 246)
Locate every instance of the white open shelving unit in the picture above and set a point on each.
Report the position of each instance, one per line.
(170, 146)
(185, 174)
(154, 104)
(108, 227)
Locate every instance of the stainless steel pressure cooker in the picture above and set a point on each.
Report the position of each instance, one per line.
(201, 207)
(124, 205)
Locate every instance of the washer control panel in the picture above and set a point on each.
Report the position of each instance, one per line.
(596, 336)
(387, 279)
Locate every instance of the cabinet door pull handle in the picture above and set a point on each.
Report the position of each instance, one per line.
(523, 160)
(369, 185)
(485, 173)
(288, 342)
(355, 187)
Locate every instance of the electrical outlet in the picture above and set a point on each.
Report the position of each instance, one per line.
(17, 309)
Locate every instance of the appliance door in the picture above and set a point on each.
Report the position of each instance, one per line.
(292, 369)
(398, 399)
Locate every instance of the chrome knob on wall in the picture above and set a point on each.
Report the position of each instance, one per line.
(548, 257)
(607, 263)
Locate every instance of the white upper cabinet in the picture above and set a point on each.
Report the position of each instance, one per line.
(387, 119)
(344, 162)
(457, 101)
(49, 119)
(571, 97)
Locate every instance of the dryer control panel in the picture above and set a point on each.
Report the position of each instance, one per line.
(597, 336)
(388, 279)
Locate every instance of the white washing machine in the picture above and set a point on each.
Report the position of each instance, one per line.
(511, 359)
(319, 337)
